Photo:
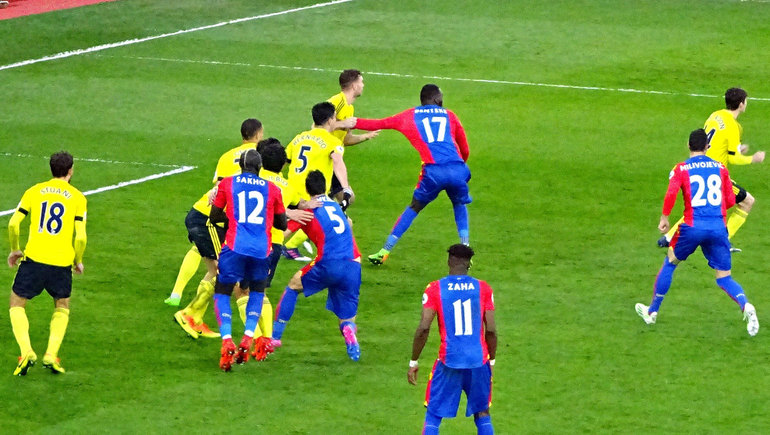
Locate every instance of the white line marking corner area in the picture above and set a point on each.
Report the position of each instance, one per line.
(101, 47)
(177, 170)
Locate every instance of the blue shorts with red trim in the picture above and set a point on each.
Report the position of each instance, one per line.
(712, 241)
(234, 267)
(452, 177)
(447, 384)
(342, 278)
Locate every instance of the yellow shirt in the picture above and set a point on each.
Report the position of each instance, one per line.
(343, 111)
(53, 208)
(289, 195)
(227, 166)
(308, 151)
(724, 134)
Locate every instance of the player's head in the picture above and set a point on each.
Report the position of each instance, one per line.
(351, 79)
(250, 161)
(61, 164)
(315, 183)
(322, 113)
(251, 130)
(734, 97)
(460, 256)
(273, 154)
(431, 95)
(698, 141)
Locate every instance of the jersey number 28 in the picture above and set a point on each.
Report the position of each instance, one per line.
(714, 194)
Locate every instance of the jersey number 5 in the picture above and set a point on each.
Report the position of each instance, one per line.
(714, 195)
(254, 216)
(339, 224)
(54, 222)
(303, 158)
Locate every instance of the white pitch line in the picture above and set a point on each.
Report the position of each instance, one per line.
(101, 47)
(430, 77)
(80, 159)
(125, 183)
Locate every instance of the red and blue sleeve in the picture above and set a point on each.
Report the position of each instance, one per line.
(277, 198)
(727, 189)
(395, 122)
(223, 192)
(458, 133)
(674, 184)
(432, 298)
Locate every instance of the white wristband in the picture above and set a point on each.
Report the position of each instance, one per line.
(412, 364)
(492, 362)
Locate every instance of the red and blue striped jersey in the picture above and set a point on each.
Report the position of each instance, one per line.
(330, 232)
(706, 189)
(460, 302)
(435, 132)
(250, 203)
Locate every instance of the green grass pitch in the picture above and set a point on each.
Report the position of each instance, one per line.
(569, 169)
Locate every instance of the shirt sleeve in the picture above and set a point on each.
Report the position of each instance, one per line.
(391, 123)
(674, 184)
(728, 194)
(459, 135)
(430, 298)
(487, 297)
(734, 157)
(222, 191)
(275, 194)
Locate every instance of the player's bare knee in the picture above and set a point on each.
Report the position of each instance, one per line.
(481, 414)
(747, 203)
(416, 205)
(62, 303)
(296, 281)
(224, 289)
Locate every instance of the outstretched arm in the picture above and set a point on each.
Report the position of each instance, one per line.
(420, 338)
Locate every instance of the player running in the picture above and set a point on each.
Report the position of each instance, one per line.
(724, 135)
(437, 134)
(465, 309)
(57, 211)
(707, 193)
(252, 206)
(337, 266)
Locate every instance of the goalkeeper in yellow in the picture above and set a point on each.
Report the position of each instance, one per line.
(724, 134)
(57, 212)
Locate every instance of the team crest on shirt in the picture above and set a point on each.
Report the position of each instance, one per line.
(424, 298)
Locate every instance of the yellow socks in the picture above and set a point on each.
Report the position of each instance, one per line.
(186, 271)
(200, 303)
(296, 240)
(59, 321)
(20, 325)
(673, 229)
(736, 219)
(266, 319)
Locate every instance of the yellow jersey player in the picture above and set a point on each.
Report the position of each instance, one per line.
(351, 87)
(227, 165)
(57, 212)
(724, 135)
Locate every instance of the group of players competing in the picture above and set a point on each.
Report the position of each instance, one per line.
(708, 194)
(239, 226)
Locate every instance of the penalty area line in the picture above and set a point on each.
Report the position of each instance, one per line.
(178, 170)
(101, 47)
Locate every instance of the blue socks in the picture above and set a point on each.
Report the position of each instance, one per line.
(461, 220)
(432, 422)
(662, 284)
(224, 315)
(484, 425)
(402, 224)
(284, 312)
(253, 308)
(733, 289)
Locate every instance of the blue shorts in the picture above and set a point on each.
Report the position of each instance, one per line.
(342, 278)
(453, 178)
(713, 242)
(235, 267)
(446, 385)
